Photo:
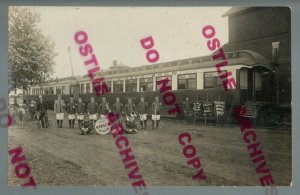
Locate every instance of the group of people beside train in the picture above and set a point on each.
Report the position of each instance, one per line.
(87, 114)
(94, 110)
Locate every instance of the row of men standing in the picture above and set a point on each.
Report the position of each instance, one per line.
(95, 110)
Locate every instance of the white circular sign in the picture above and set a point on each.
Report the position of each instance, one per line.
(102, 126)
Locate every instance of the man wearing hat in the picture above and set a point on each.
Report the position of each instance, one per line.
(80, 112)
(59, 108)
(119, 109)
(188, 110)
(104, 107)
(129, 109)
(32, 109)
(92, 109)
(86, 126)
(156, 108)
(142, 110)
(71, 109)
(42, 110)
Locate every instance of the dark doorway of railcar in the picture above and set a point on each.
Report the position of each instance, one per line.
(256, 85)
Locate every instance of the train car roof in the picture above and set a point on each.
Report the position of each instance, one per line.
(247, 58)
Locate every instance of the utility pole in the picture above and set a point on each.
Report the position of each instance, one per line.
(76, 87)
(69, 51)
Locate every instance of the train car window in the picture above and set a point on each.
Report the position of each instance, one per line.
(162, 77)
(131, 85)
(58, 89)
(88, 89)
(71, 90)
(243, 78)
(187, 81)
(63, 90)
(108, 84)
(118, 86)
(146, 84)
(212, 80)
(82, 88)
(258, 81)
(51, 90)
(46, 91)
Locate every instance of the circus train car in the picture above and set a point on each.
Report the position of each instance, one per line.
(196, 78)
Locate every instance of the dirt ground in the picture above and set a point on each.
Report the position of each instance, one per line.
(64, 157)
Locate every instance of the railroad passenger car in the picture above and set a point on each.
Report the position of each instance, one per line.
(194, 77)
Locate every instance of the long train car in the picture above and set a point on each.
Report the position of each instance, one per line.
(196, 78)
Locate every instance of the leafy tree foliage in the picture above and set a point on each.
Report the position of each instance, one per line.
(30, 54)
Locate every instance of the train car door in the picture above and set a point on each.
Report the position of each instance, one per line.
(256, 85)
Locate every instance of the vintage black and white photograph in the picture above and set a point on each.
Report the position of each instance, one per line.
(149, 96)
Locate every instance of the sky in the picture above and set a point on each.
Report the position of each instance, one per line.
(115, 33)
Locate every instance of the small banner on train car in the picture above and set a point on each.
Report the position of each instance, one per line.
(102, 126)
(219, 108)
(207, 109)
(198, 106)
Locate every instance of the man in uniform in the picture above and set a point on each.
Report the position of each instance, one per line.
(32, 110)
(156, 108)
(142, 110)
(129, 109)
(188, 110)
(104, 107)
(80, 112)
(71, 112)
(59, 108)
(42, 110)
(92, 111)
(118, 108)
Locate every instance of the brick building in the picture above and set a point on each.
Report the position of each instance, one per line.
(267, 31)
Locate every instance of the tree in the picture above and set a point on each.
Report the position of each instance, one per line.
(30, 54)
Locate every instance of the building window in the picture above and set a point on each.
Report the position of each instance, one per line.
(187, 81)
(131, 85)
(118, 86)
(58, 89)
(213, 80)
(146, 84)
(88, 89)
(162, 78)
(82, 88)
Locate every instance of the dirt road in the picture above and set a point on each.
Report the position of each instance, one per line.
(64, 157)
